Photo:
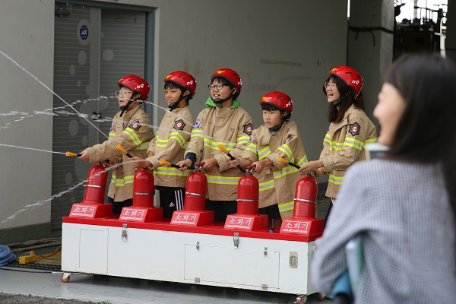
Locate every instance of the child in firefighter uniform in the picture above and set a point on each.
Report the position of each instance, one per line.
(349, 130)
(131, 128)
(225, 123)
(171, 141)
(277, 137)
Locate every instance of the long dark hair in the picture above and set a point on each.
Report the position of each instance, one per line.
(425, 132)
(336, 113)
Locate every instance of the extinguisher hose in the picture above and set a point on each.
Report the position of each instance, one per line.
(230, 156)
(121, 149)
(294, 165)
(283, 160)
(166, 163)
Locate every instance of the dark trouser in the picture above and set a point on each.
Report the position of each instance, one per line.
(117, 206)
(221, 209)
(171, 199)
(272, 212)
(329, 211)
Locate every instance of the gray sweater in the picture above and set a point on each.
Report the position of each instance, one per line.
(402, 212)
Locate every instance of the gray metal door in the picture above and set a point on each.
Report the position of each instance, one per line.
(94, 48)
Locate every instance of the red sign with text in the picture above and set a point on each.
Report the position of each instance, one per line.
(185, 218)
(239, 222)
(80, 210)
(299, 227)
(133, 214)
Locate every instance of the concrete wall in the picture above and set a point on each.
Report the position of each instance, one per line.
(287, 46)
(370, 53)
(272, 46)
(27, 35)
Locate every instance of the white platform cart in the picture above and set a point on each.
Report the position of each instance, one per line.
(190, 248)
(254, 260)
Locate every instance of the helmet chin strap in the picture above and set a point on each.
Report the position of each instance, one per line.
(125, 107)
(335, 103)
(220, 100)
(173, 105)
(277, 128)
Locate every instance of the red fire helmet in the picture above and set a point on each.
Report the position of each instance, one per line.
(184, 80)
(350, 76)
(279, 100)
(136, 84)
(231, 76)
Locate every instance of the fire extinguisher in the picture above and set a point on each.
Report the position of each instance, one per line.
(248, 193)
(196, 189)
(97, 179)
(143, 189)
(305, 197)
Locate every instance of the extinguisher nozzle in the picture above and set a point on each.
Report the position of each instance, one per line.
(222, 148)
(121, 149)
(164, 162)
(72, 154)
(167, 163)
(283, 160)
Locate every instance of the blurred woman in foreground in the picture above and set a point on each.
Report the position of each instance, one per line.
(403, 205)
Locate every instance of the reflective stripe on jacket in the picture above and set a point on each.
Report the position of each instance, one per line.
(230, 127)
(133, 131)
(344, 144)
(170, 144)
(278, 182)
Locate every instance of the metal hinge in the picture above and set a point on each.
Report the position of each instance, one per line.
(264, 286)
(124, 233)
(197, 245)
(236, 239)
(197, 280)
(265, 251)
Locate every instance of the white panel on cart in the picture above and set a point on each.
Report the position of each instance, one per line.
(93, 251)
(232, 266)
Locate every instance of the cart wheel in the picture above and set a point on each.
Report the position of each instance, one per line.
(300, 299)
(65, 277)
(320, 297)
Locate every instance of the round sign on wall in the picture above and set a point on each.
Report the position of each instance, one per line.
(82, 32)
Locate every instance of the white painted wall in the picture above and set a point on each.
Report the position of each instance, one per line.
(27, 35)
(274, 45)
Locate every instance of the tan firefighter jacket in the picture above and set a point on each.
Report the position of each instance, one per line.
(169, 144)
(230, 127)
(344, 144)
(133, 131)
(278, 182)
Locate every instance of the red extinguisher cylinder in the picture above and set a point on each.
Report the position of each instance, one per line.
(95, 190)
(143, 189)
(305, 198)
(248, 194)
(195, 191)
